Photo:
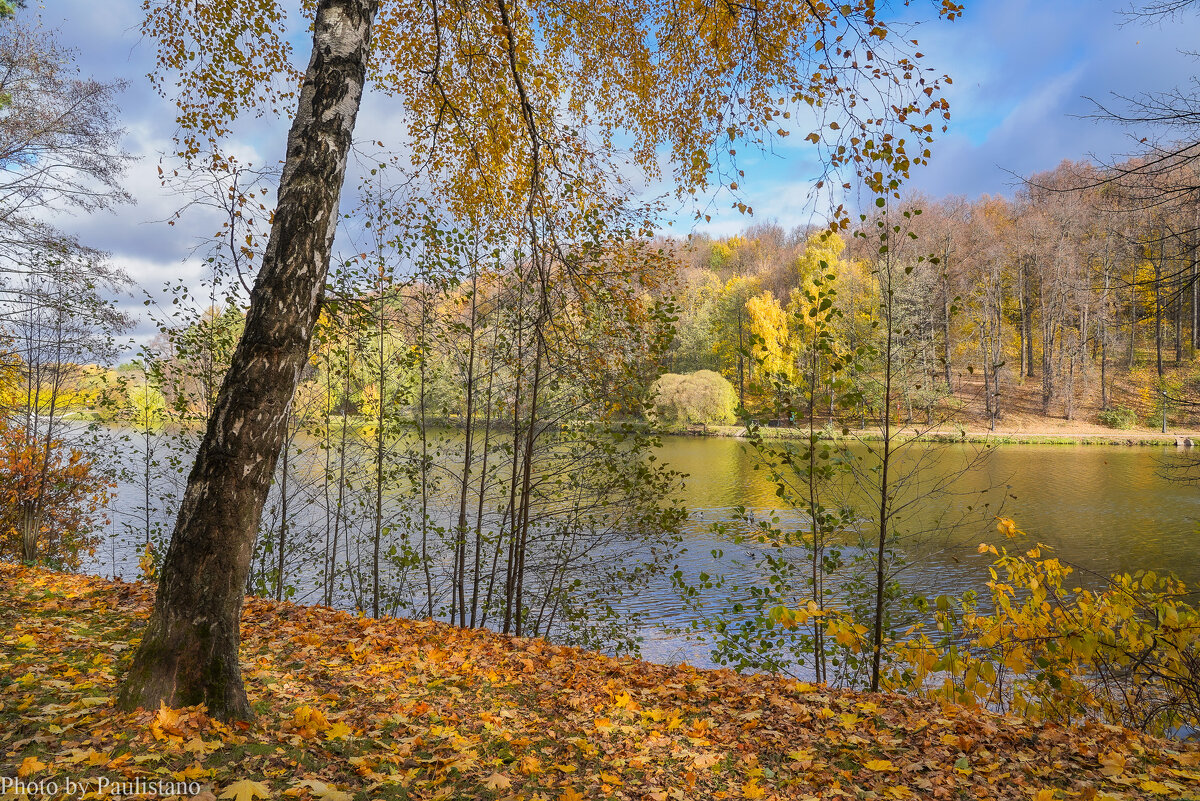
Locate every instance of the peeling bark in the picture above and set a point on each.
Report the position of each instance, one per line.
(189, 652)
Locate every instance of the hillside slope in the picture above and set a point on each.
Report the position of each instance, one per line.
(354, 707)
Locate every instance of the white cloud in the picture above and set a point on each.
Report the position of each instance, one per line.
(1020, 69)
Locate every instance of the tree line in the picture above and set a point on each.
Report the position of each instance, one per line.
(1075, 298)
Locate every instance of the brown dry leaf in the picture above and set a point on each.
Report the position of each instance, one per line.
(325, 792)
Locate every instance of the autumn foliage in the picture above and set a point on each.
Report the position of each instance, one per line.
(356, 708)
(52, 492)
(1126, 652)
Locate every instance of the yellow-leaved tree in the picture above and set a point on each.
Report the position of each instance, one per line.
(773, 341)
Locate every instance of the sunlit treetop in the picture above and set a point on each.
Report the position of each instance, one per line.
(587, 91)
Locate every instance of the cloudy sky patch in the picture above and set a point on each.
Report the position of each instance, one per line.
(1021, 71)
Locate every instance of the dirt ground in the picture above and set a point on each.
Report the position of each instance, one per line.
(1021, 404)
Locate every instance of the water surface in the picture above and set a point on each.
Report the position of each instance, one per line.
(1103, 509)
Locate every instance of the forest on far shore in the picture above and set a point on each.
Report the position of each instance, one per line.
(1074, 301)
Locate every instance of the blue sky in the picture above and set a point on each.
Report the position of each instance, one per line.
(1021, 72)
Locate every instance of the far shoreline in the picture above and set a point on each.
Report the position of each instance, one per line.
(1087, 436)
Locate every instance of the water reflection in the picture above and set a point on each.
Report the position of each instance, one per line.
(1104, 509)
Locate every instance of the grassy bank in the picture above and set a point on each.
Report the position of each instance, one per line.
(357, 708)
(1098, 437)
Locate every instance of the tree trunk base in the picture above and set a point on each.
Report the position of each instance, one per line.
(187, 663)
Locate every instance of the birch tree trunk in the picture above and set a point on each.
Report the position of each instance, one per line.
(189, 652)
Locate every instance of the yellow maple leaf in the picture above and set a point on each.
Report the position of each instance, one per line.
(1157, 788)
(570, 794)
(1113, 764)
(201, 747)
(337, 731)
(246, 790)
(166, 723)
(529, 765)
(462, 764)
(92, 757)
(193, 772)
(1044, 795)
(625, 701)
(30, 765)
(879, 765)
(752, 790)
(497, 781)
(306, 717)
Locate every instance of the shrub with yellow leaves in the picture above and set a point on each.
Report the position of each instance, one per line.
(1125, 653)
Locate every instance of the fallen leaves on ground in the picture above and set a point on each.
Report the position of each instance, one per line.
(354, 708)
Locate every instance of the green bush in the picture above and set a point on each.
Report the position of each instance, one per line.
(1121, 417)
(694, 398)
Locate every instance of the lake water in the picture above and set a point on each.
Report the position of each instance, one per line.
(1104, 509)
